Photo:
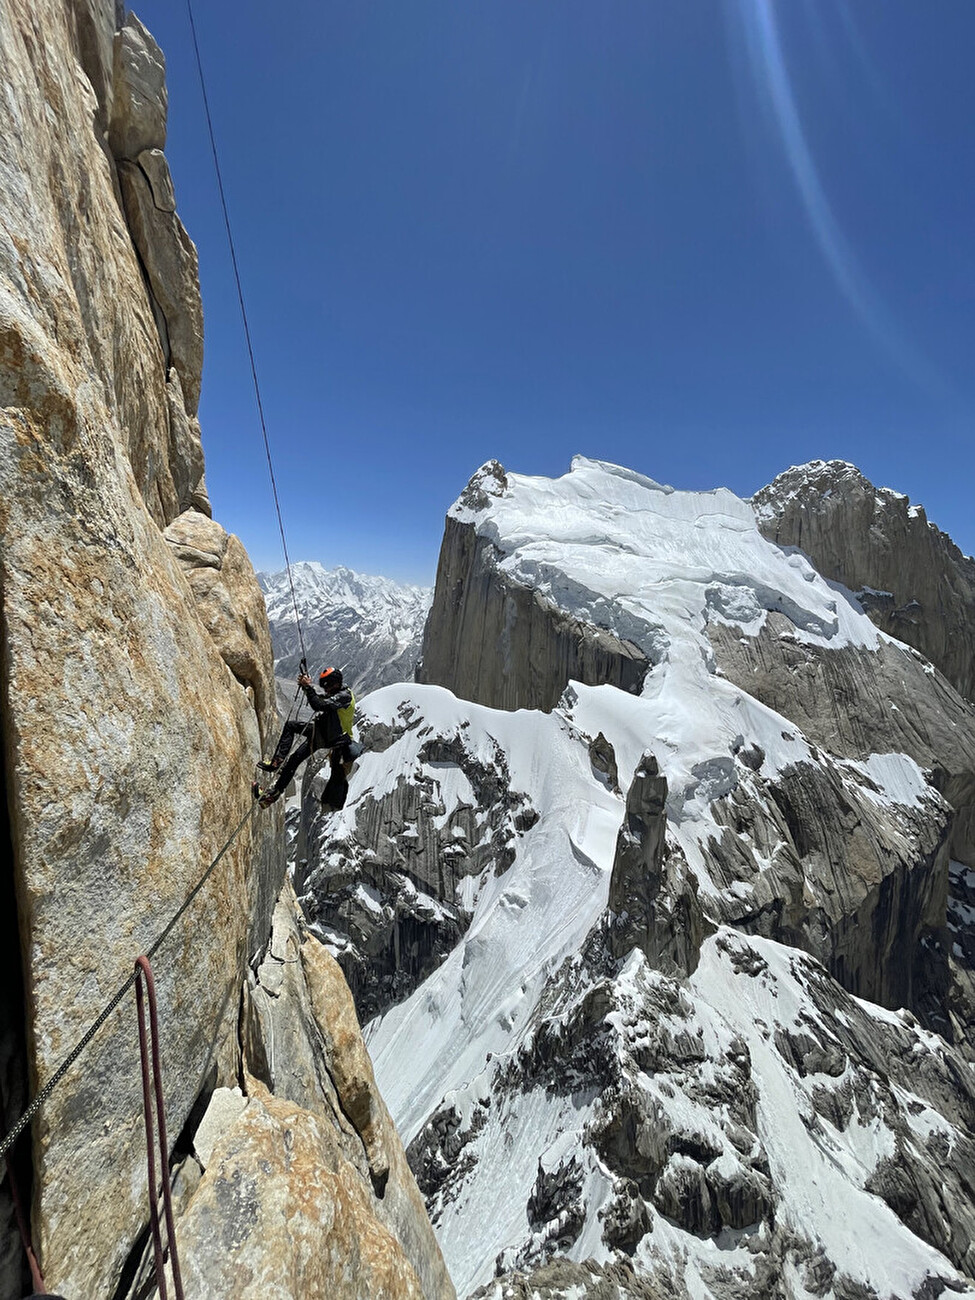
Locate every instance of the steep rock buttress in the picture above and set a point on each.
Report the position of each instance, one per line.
(137, 692)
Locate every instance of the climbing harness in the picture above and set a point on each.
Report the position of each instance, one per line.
(145, 992)
(43, 1095)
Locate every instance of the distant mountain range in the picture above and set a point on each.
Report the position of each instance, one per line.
(369, 626)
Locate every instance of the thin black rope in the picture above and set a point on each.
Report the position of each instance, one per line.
(243, 314)
(100, 1019)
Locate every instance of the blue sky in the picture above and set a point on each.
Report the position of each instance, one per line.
(706, 239)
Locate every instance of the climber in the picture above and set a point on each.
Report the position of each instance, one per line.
(330, 728)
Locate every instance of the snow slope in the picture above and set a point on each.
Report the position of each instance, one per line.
(453, 1056)
(749, 1128)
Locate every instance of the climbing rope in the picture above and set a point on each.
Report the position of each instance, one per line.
(243, 315)
(100, 1019)
(145, 992)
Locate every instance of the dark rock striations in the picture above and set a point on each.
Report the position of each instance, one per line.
(910, 577)
(491, 638)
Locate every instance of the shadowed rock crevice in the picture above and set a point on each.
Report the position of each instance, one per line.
(14, 1274)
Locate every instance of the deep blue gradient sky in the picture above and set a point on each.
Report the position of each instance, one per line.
(706, 239)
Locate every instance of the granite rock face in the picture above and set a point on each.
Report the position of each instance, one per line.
(136, 685)
(911, 578)
(306, 1174)
(276, 1204)
(497, 641)
(125, 728)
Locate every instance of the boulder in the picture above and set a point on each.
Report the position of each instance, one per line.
(140, 102)
(278, 1213)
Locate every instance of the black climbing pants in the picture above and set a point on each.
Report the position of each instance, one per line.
(288, 760)
(284, 771)
(337, 790)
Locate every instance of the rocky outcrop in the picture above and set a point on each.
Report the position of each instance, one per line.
(294, 1181)
(653, 903)
(493, 639)
(681, 1138)
(308, 1181)
(585, 1281)
(167, 257)
(910, 577)
(229, 604)
(136, 684)
(878, 921)
(386, 889)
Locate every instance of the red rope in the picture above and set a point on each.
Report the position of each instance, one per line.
(150, 1050)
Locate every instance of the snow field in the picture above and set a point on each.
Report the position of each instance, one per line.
(655, 566)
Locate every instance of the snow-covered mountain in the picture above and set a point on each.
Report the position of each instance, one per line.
(667, 960)
(369, 626)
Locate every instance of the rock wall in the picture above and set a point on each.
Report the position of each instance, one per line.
(135, 668)
(911, 578)
(304, 1170)
(492, 640)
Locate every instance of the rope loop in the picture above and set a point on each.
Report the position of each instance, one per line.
(152, 1090)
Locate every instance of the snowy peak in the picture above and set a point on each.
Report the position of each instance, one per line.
(819, 480)
(613, 572)
(367, 625)
(389, 604)
(659, 883)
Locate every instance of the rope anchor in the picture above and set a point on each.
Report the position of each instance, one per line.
(152, 1089)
